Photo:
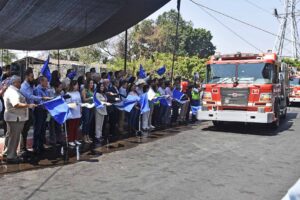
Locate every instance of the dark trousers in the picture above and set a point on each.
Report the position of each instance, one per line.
(27, 125)
(40, 116)
(55, 132)
(87, 118)
(162, 114)
(133, 118)
(194, 103)
(175, 113)
(113, 119)
(155, 115)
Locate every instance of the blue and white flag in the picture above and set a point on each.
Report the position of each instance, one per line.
(177, 95)
(46, 70)
(161, 70)
(58, 109)
(142, 72)
(144, 103)
(162, 100)
(72, 75)
(128, 103)
(97, 103)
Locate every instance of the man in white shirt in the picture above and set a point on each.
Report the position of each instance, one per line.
(15, 115)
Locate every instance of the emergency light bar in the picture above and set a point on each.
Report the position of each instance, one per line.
(244, 56)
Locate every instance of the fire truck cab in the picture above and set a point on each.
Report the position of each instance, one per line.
(294, 96)
(250, 88)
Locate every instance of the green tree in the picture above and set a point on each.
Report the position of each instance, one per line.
(292, 62)
(7, 56)
(150, 36)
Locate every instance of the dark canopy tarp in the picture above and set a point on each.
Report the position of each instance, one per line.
(60, 24)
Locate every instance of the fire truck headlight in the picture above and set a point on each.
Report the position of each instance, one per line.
(265, 97)
(207, 96)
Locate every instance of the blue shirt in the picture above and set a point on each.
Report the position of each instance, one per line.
(27, 91)
(40, 92)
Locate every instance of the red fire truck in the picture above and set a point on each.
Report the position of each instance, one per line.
(294, 96)
(250, 88)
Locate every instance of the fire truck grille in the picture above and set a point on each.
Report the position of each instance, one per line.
(235, 96)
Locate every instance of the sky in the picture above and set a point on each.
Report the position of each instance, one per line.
(255, 12)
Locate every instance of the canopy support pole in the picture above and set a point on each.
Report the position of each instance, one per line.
(58, 61)
(176, 39)
(125, 50)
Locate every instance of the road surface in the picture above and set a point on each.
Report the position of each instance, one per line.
(198, 162)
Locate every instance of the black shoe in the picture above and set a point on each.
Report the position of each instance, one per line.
(14, 161)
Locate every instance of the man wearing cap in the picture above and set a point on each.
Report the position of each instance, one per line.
(15, 115)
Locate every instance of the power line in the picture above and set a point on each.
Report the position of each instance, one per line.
(238, 20)
(259, 7)
(231, 30)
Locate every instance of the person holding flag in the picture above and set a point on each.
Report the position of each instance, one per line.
(87, 113)
(27, 89)
(134, 113)
(15, 115)
(40, 115)
(73, 121)
(100, 101)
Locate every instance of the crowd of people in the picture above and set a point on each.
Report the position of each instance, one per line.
(22, 108)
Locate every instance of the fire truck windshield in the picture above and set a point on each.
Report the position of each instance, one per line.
(294, 81)
(257, 73)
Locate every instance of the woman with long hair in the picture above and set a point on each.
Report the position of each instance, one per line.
(100, 112)
(87, 113)
(134, 113)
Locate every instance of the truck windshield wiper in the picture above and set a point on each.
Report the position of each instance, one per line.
(226, 79)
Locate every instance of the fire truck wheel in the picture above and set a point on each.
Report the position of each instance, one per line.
(276, 124)
(218, 123)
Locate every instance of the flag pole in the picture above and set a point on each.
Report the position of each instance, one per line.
(176, 39)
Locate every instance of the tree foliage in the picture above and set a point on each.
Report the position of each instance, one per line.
(7, 56)
(184, 66)
(151, 36)
(292, 62)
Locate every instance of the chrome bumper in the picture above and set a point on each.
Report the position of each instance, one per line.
(236, 116)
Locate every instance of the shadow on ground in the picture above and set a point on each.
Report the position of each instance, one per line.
(255, 129)
(53, 157)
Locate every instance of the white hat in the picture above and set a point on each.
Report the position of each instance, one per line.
(140, 81)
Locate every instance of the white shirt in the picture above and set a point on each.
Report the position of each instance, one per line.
(161, 91)
(12, 97)
(75, 113)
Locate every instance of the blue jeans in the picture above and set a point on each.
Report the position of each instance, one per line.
(87, 117)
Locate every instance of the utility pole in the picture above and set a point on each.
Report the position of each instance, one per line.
(287, 18)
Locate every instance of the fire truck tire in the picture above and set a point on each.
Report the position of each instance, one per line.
(274, 125)
(218, 123)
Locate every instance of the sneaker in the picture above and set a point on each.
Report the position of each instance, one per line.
(72, 144)
(152, 127)
(77, 142)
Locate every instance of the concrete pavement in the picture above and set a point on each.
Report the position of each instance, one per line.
(236, 162)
